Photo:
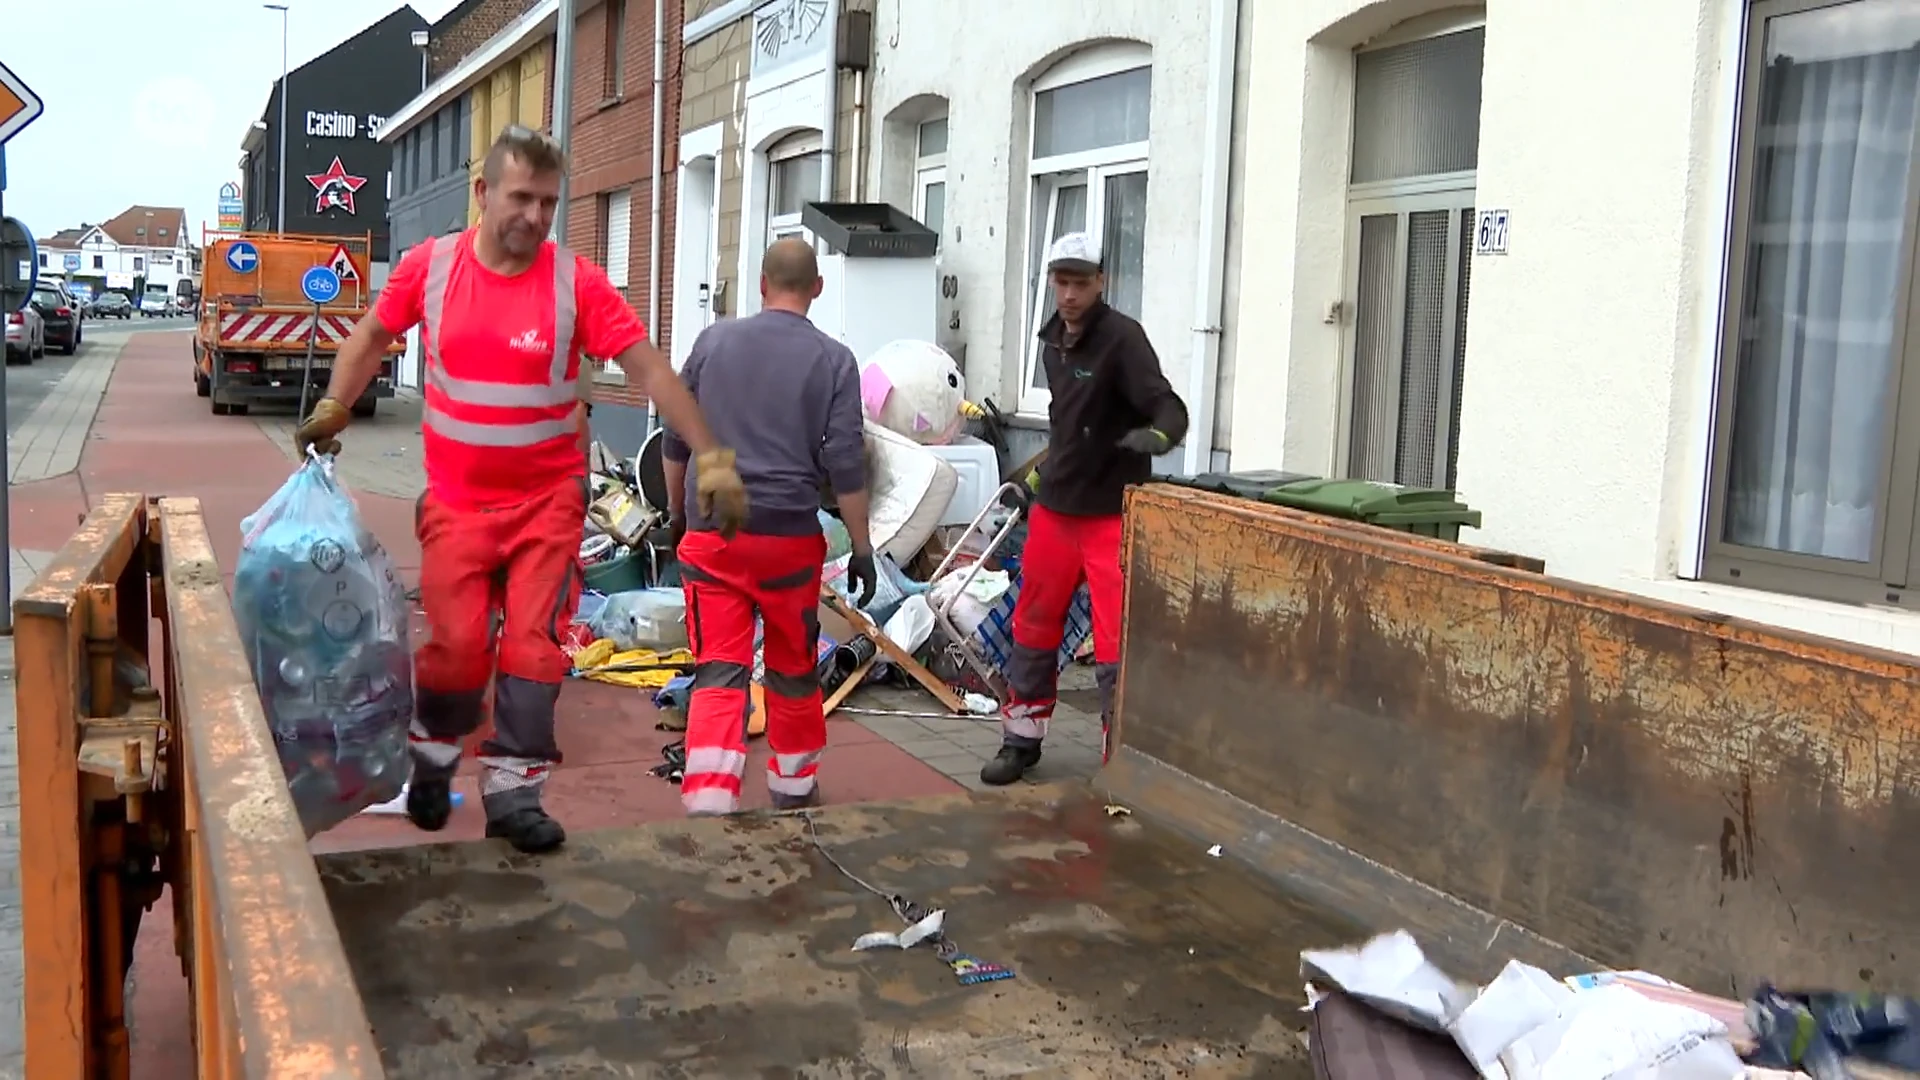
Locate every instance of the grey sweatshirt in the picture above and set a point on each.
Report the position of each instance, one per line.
(786, 398)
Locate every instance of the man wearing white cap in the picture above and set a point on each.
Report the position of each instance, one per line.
(1112, 412)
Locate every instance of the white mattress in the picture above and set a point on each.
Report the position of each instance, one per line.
(909, 491)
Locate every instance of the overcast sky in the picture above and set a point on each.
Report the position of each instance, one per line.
(147, 102)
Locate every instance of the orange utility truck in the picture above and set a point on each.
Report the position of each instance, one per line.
(251, 344)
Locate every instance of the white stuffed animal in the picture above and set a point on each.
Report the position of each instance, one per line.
(915, 389)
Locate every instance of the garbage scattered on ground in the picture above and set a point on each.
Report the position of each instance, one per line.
(928, 927)
(946, 591)
(324, 620)
(923, 924)
(1384, 1000)
(673, 766)
(641, 669)
(1116, 810)
(1214, 851)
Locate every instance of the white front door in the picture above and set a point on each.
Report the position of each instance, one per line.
(696, 253)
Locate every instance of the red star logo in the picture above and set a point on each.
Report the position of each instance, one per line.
(335, 187)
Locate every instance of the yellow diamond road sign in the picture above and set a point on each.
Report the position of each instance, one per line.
(19, 106)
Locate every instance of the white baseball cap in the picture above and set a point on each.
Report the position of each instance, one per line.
(1074, 251)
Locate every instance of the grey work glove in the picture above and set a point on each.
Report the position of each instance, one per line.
(863, 579)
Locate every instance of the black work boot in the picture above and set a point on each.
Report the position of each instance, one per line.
(429, 802)
(528, 829)
(797, 802)
(1010, 764)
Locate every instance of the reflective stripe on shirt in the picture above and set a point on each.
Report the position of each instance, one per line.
(557, 390)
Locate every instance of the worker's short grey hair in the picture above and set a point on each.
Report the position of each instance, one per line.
(537, 150)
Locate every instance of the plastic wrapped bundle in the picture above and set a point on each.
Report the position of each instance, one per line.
(324, 620)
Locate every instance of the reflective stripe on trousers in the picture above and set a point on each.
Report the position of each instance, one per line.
(710, 783)
(793, 774)
(727, 582)
(558, 390)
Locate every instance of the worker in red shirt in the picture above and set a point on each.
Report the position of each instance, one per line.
(505, 316)
(787, 397)
(1112, 411)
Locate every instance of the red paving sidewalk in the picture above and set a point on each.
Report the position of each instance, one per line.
(153, 435)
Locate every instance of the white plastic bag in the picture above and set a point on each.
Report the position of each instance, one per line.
(323, 618)
(911, 625)
(644, 619)
(1390, 973)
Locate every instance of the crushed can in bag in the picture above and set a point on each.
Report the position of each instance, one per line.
(323, 618)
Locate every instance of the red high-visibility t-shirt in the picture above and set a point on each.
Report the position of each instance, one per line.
(490, 321)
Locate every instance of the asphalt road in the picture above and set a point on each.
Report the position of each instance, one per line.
(29, 384)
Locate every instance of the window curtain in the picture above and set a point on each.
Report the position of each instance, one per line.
(1819, 350)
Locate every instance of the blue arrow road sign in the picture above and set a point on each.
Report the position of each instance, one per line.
(243, 256)
(320, 284)
(71, 261)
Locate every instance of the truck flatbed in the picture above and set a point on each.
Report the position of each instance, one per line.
(721, 948)
(1379, 731)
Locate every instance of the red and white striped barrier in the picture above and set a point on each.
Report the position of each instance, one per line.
(271, 328)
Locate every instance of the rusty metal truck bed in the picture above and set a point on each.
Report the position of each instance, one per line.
(723, 948)
(1379, 732)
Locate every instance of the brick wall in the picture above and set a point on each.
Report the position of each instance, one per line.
(712, 73)
(611, 148)
(466, 28)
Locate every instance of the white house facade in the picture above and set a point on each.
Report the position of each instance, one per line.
(1635, 277)
(96, 257)
(1005, 125)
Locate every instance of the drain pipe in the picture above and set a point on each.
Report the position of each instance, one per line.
(830, 123)
(659, 157)
(1203, 368)
(859, 165)
(563, 108)
(659, 160)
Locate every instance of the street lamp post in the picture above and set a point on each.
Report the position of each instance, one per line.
(280, 216)
(420, 39)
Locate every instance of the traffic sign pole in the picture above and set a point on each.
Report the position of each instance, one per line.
(306, 371)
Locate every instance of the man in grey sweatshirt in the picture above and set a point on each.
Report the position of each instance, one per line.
(786, 398)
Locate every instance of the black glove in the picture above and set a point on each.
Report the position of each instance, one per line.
(863, 581)
(1145, 440)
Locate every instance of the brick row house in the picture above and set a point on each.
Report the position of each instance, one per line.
(621, 198)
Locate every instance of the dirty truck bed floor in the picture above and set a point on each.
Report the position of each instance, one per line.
(722, 948)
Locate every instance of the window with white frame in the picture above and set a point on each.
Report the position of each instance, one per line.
(930, 175)
(1088, 164)
(793, 181)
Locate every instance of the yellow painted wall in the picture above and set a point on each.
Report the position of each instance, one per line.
(513, 93)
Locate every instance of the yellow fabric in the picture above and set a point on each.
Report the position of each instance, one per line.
(594, 661)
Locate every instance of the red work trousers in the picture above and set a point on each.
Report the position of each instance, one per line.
(726, 582)
(521, 563)
(1062, 551)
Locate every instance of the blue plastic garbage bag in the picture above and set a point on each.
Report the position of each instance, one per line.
(323, 618)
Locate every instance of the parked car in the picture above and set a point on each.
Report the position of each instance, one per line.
(59, 318)
(112, 305)
(26, 335)
(156, 302)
